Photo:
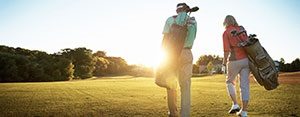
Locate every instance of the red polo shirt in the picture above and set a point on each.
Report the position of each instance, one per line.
(230, 43)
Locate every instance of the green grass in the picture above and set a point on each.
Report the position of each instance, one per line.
(137, 97)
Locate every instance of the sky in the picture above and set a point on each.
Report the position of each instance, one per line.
(132, 29)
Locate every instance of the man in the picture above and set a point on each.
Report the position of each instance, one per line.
(184, 60)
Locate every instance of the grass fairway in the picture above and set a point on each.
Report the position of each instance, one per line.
(138, 97)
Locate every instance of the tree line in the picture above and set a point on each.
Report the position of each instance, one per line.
(214, 63)
(289, 67)
(23, 65)
(208, 64)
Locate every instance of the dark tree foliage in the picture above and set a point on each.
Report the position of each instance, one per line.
(296, 65)
(117, 65)
(289, 67)
(281, 65)
(9, 70)
(21, 65)
(82, 59)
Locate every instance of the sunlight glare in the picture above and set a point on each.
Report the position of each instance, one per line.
(160, 56)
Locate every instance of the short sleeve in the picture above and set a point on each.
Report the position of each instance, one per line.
(226, 46)
(168, 24)
(191, 35)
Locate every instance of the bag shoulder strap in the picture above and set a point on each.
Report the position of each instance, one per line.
(241, 29)
(185, 23)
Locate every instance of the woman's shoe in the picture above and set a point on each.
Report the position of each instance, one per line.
(234, 108)
(242, 113)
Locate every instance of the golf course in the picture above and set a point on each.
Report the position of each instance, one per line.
(140, 97)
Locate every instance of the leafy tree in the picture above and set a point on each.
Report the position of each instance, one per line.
(195, 69)
(205, 59)
(282, 60)
(289, 67)
(215, 60)
(8, 68)
(210, 67)
(281, 65)
(18, 64)
(117, 65)
(99, 54)
(5, 49)
(295, 65)
(101, 65)
(82, 60)
(63, 69)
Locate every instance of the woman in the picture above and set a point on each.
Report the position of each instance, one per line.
(236, 61)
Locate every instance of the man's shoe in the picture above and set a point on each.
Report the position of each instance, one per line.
(234, 109)
(173, 115)
(242, 113)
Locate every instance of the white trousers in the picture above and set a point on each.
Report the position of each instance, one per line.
(184, 79)
(241, 68)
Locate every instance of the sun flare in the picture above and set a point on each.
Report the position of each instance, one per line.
(157, 59)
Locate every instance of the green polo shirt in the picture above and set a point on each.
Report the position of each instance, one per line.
(180, 20)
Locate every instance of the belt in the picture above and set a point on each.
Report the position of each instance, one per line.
(187, 48)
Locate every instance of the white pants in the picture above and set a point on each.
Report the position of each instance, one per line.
(241, 68)
(184, 79)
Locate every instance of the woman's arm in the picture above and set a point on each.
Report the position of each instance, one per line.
(226, 47)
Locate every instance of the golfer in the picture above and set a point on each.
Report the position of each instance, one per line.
(185, 61)
(236, 61)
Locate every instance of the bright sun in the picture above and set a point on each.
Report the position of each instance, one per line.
(156, 60)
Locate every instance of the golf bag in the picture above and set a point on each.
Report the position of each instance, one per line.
(166, 72)
(261, 64)
(178, 35)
